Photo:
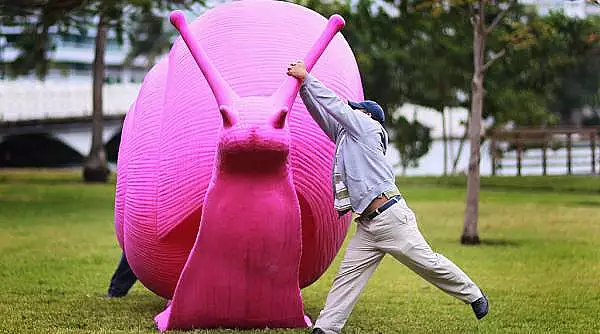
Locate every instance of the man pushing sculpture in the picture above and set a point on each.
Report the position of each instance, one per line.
(188, 184)
(363, 182)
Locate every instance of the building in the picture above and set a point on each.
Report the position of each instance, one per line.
(572, 8)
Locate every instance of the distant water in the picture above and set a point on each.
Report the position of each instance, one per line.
(432, 164)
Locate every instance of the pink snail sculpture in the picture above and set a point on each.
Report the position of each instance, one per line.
(224, 202)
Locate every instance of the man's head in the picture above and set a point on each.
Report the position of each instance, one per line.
(370, 108)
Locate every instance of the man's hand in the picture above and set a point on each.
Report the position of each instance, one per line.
(297, 70)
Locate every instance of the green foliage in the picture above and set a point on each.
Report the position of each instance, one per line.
(422, 52)
(507, 98)
(411, 139)
(404, 55)
(39, 18)
(578, 66)
(556, 71)
(373, 36)
(58, 252)
(148, 36)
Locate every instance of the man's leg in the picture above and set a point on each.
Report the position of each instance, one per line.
(359, 263)
(122, 280)
(407, 245)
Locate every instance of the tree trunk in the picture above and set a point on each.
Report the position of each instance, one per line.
(42, 46)
(95, 168)
(445, 139)
(470, 234)
(461, 146)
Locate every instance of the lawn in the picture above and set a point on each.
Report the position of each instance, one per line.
(539, 261)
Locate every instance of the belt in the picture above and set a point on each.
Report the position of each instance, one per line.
(383, 207)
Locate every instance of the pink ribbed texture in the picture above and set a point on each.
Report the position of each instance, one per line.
(230, 223)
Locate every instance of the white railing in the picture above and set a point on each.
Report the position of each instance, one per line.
(25, 101)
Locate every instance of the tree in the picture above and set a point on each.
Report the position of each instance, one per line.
(36, 18)
(39, 16)
(148, 37)
(442, 67)
(575, 63)
(417, 51)
(412, 139)
(553, 71)
(481, 31)
(95, 167)
(485, 18)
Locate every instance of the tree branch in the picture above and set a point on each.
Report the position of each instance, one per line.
(495, 57)
(481, 14)
(499, 17)
(472, 16)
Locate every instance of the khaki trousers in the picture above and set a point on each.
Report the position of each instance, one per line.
(393, 232)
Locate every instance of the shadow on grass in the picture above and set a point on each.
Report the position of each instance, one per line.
(500, 243)
(593, 204)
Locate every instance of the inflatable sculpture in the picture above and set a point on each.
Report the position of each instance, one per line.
(224, 201)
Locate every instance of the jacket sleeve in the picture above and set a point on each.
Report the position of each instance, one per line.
(327, 123)
(328, 109)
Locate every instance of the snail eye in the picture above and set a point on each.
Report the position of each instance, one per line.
(229, 116)
(279, 117)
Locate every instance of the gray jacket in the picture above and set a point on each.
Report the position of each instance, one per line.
(361, 143)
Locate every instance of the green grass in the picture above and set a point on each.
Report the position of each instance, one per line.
(539, 261)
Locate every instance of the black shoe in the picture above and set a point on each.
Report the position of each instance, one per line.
(480, 307)
(317, 331)
(114, 294)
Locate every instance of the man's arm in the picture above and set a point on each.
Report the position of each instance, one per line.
(327, 123)
(325, 102)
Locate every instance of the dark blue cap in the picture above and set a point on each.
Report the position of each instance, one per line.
(371, 107)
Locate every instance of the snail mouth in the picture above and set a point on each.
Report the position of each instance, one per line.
(253, 153)
(255, 161)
